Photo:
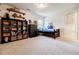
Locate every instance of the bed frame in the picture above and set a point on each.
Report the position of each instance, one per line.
(54, 34)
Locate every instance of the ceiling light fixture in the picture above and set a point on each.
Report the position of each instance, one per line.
(41, 5)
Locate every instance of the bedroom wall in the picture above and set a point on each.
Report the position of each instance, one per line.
(60, 21)
(32, 16)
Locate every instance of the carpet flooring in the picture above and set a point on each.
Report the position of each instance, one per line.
(40, 45)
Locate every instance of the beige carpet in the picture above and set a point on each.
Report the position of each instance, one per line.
(40, 45)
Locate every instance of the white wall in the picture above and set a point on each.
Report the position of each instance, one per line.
(60, 21)
(31, 16)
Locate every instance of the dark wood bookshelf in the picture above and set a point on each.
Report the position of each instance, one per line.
(12, 30)
(24, 29)
(19, 27)
(6, 34)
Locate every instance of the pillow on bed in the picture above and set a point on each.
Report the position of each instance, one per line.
(48, 30)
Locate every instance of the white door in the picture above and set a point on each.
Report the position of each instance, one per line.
(71, 25)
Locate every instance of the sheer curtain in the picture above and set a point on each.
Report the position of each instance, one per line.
(42, 24)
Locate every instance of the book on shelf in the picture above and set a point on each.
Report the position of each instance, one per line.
(6, 34)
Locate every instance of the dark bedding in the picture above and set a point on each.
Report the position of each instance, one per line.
(48, 30)
(50, 33)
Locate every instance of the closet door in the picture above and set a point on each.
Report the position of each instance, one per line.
(71, 25)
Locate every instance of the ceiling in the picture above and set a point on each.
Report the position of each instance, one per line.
(50, 9)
